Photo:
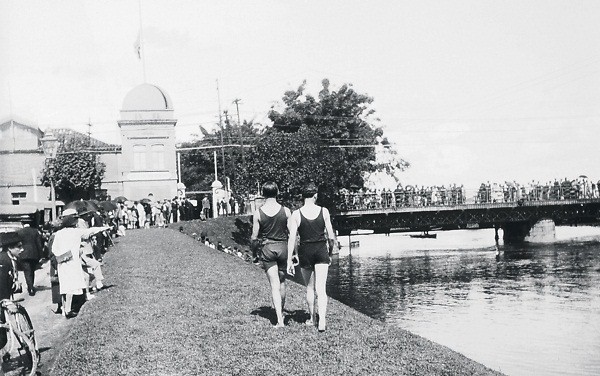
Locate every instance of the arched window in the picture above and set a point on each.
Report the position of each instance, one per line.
(158, 156)
(139, 157)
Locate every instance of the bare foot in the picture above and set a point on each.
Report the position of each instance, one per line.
(322, 324)
(278, 325)
(309, 323)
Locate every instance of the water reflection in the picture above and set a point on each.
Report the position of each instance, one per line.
(500, 311)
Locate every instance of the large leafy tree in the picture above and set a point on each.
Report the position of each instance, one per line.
(78, 172)
(329, 140)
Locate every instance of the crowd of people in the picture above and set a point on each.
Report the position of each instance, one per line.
(148, 213)
(566, 189)
(74, 244)
(414, 196)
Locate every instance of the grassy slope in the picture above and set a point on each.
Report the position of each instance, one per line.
(230, 231)
(179, 308)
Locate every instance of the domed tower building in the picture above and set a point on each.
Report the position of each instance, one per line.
(148, 159)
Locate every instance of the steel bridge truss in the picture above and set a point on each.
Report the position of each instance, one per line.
(467, 216)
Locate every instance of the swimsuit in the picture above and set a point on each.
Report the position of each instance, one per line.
(313, 243)
(274, 234)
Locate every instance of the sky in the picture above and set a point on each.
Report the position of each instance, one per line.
(467, 91)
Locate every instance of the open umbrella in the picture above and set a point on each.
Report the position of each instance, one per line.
(82, 206)
(107, 205)
(120, 199)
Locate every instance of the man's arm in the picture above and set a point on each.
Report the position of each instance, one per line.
(255, 225)
(330, 234)
(254, 242)
(293, 232)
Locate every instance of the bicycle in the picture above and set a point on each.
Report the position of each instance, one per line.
(20, 333)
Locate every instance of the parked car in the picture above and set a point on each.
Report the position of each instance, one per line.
(16, 215)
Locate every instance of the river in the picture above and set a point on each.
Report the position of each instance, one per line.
(533, 310)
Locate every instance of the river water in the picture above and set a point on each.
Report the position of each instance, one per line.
(534, 310)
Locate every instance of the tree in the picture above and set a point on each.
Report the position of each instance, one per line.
(197, 166)
(329, 140)
(78, 172)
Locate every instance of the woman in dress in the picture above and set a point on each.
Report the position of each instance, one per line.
(66, 250)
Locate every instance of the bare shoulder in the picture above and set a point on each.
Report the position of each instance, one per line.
(325, 212)
(288, 213)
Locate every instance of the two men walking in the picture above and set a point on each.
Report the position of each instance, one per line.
(280, 232)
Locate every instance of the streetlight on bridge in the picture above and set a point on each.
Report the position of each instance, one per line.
(50, 147)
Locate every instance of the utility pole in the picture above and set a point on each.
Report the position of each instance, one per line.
(237, 107)
(89, 124)
(227, 125)
(221, 126)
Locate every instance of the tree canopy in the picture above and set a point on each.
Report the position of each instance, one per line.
(198, 165)
(330, 140)
(77, 172)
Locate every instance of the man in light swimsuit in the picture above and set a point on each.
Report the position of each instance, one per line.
(317, 241)
(270, 225)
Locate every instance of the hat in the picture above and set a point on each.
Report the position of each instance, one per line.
(69, 221)
(9, 238)
(69, 211)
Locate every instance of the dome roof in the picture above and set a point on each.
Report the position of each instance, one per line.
(147, 97)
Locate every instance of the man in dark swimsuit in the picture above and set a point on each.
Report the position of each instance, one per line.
(317, 241)
(270, 225)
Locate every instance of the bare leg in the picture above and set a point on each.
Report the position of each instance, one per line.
(282, 288)
(321, 271)
(309, 279)
(273, 276)
(68, 300)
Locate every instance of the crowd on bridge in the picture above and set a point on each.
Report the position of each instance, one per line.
(453, 194)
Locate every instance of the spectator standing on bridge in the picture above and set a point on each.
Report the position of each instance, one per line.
(317, 241)
(269, 223)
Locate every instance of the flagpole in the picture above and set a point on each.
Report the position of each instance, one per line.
(143, 52)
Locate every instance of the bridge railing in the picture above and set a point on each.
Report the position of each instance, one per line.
(414, 199)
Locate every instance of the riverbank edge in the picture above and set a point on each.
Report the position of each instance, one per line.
(213, 316)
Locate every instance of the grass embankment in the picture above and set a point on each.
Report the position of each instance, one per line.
(230, 231)
(176, 307)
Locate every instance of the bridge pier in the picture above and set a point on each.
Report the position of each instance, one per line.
(543, 231)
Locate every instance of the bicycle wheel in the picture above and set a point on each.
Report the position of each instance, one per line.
(28, 352)
(23, 323)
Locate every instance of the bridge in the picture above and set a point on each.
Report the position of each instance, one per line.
(518, 220)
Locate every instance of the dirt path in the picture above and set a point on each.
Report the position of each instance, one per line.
(50, 328)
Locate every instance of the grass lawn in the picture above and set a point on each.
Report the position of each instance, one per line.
(175, 307)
